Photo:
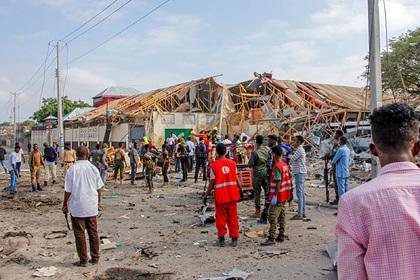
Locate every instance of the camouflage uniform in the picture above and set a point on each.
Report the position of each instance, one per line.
(258, 162)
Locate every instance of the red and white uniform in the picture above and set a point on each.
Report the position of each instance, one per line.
(226, 196)
(286, 182)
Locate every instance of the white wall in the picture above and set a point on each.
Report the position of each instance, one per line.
(95, 134)
(41, 136)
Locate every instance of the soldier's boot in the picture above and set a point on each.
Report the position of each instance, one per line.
(280, 238)
(38, 188)
(34, 188)
(263, 219)
(269, 241)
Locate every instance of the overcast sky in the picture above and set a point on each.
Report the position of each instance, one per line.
(310, 40)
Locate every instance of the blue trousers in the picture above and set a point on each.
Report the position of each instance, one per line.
(12, 181)
(2, 164)
(343, 185)
(300, 192)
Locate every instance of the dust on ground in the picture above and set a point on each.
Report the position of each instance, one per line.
(157, 236)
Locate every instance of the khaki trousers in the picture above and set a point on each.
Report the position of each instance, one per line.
(36, 175)
(67, 165)
(277, 216)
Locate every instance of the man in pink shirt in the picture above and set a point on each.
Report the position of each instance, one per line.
(378, 223)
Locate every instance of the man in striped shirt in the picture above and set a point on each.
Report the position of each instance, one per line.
(298, 163)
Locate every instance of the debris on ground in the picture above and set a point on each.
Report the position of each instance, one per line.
(45, 271)
(29, 203)
(132, 274)
(110, 197)
(148, 252)
(332, 251)
(55, 234)
(235, 274)
(20, 259)
(11, 243)
(153, 265)
(273, 253)
(207, 219)
(107, 244)
(17, 234)
(200, 243)
(260, 233)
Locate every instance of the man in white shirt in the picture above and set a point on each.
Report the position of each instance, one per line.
(82, 198)
(19, 159)
(12, 170)
(191, 153)
(227, 144)
(171, 141)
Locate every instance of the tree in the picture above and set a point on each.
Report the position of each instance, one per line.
(401, 65)
(49, 106)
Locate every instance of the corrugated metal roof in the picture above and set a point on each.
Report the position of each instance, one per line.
(117, 91)
(77, 112)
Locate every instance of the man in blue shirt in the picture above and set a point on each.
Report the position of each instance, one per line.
(50, 157)
(12, 170)
(342, 162)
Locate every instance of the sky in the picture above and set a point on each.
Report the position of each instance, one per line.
(321, 41)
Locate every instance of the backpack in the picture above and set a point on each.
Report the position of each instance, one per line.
(201, 151)
(49, 154)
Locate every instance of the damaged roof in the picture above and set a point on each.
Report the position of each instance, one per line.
(197, 95)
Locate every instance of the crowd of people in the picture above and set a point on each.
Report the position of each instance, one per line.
(368, 218)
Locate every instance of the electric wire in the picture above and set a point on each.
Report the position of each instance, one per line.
(121, 31)
(99, 22)
(49, 53)
(88, 21)
(35, 73)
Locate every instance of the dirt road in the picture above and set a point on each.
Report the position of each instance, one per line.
(158, 236)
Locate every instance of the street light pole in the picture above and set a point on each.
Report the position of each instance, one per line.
(375, 73)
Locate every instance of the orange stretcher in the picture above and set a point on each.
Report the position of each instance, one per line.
(244, 174)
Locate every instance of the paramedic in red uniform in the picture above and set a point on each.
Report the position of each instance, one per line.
(227, 192)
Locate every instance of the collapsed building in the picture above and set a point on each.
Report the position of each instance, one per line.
(181, 108)
(263, 105)
(266, 105)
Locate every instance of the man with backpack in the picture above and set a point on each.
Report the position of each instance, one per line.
(50, 157)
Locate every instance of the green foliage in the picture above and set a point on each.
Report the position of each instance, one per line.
(29, 123)
(401, 65)
(49, 106)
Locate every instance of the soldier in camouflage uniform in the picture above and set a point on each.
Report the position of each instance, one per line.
(258, 162)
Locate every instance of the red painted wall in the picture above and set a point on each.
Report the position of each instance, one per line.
(107, 99)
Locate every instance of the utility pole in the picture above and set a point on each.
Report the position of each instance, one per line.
(375, 73)
(14, 117)
(59, 104)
